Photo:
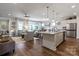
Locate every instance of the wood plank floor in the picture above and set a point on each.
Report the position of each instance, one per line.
(70, 47)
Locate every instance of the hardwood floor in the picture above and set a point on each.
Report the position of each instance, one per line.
(70, 47)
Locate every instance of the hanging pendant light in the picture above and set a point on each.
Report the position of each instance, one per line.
(47, 11)
(47, 17)
(26, 16)
(53, 22)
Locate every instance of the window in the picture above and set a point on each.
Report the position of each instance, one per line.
(34, 26)
(20, 25)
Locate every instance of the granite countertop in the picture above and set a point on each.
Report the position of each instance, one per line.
(51, 32)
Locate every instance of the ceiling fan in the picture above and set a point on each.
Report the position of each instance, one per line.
(25, 15)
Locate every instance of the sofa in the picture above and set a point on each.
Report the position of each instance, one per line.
(7, 46)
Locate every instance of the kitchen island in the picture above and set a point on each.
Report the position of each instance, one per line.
(52, 39)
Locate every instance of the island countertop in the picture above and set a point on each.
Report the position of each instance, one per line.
(47, 32)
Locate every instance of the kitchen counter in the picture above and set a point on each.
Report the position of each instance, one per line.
(50, 32)
(52, 39)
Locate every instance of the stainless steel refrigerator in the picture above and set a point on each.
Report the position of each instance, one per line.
(71, 30)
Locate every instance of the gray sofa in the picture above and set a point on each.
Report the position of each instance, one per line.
(7, 46)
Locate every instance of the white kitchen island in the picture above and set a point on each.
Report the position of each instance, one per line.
(52, 39)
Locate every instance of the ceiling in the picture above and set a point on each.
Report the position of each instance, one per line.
(38, 11)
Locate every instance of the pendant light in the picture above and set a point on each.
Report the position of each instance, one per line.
(47, 17)
(26, 16)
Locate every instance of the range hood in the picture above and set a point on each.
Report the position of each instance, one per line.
(71, 17)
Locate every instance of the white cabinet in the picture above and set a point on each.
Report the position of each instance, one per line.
(52, 40)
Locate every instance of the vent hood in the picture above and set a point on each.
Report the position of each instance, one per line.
(71, 17)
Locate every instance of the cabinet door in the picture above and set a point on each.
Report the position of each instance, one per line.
(58, 38)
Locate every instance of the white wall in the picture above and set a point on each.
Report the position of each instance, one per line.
(77, 27)
(65, 22)
(62, 24)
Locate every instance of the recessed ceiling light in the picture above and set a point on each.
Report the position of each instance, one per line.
(73, 6)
